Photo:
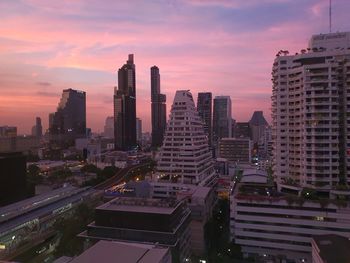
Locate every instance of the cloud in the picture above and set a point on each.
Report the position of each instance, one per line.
(42, 83)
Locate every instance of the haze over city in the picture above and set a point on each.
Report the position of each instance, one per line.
(225, 47)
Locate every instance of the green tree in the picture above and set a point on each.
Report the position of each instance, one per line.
(33, 174)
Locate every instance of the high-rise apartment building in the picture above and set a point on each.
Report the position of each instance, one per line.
(69, 121)
(204, 108)
(158, 109)
(222, 119)
(185, 155)
(310, 110)
(257, 125)
(125, 107)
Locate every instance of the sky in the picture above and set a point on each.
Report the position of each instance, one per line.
(226, 47)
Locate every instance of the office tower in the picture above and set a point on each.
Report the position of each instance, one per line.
(109, 127)
(204, 108)
(257, 126)
(138, 130)
(37, 129)
(222, 127)
(164, 222)
(310, 111)
(69, 121)
(236, 150)
(185, 156)
(8, 132)
(158, 108)
(125, 107)
(13, 182)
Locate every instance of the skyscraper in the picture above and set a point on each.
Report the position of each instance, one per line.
(69, 121)
(158, 108)
(310, 110)
(37, 129)
(138, 130)
(125, 107)
(222, 119)
(204, 108)
(109, 127)
(185, 156)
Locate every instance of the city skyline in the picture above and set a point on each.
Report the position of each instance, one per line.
(80, 46)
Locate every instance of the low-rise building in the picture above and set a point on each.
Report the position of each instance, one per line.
(235, 150)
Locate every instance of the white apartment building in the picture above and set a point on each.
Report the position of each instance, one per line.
(281, 226)
(310, 111)
(185, 156)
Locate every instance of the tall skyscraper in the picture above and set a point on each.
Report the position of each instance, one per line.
(158, 108)
(257, 125)
(125, 107)
(69, 121)
(204, 107)
(222, 119)
(37, 129)
(109, 127)
(138, 130)
(310, 110)
(185, 156)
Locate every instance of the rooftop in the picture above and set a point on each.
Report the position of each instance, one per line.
(333, 248)
(141, 205)
(106, 251)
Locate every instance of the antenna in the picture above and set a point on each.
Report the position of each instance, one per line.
(330, 16)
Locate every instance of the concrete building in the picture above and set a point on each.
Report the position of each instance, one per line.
(149, 221)
(37, 129)
(330, 248)
(257, 125)
(8, 131)
(105, 251)
(158, 109)
(138, 130)
(109, 127)
(204, 108)
(310, 103)
(125, 107)
(185, 156)
(222, 117)
(235, 150)
(242, 130)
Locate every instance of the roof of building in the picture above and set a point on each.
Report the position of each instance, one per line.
(141, 205)
(258, 119)
(106, 251)
(333, 248)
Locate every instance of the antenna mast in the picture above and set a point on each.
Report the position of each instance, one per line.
(330, 16)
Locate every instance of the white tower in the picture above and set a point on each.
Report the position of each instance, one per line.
(185, 156)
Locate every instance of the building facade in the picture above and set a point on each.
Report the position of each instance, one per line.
(257, 125)
(125, 107)
(109, 127)
(236, 150)
(138, 130)
(204, 108)
(310, 111)
(37, 129)
(158, 109)
(222, 117)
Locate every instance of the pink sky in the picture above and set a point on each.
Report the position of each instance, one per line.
(226, 47)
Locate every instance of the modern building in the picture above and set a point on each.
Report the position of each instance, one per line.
(69, 121)
(138, 130)
(105, 251)
(158, 109)
(257, 125)
(140, 220)
(204, 108)
(185, 155)
(310, 105)
(19, 144)
(109, 127)
(37, 129)
(125, 107)
(266, 222)
(235, 150)
(222, 118)
(242, 130)
(330, 248)
(13, 178)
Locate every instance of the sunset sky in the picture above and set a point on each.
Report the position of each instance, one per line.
(226, 47)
